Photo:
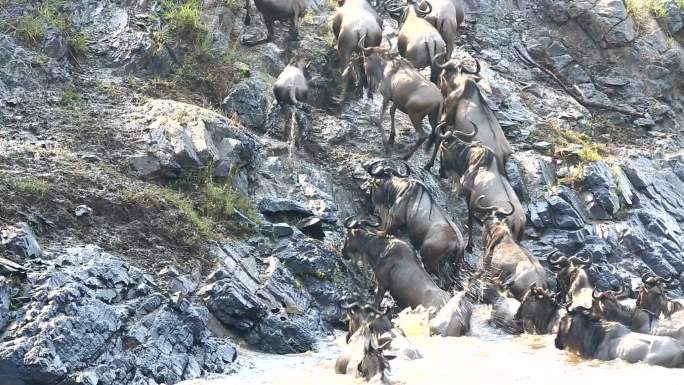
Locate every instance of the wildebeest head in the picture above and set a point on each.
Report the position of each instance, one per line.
(606, 304)
(652, 295)
(358, 315)
(496, 228)
(360, 234)
(381, 175)
(568, 270)
(374, 59)
(301, 63)
(375, 362)
(401, 10)
(579, 332)
(455, 77)
(536, 310)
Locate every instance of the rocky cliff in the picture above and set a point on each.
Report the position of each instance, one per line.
(151, 219)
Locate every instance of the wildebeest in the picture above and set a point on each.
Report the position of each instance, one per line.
(583, 334)
(410, 92)
(446, 16)
(395, 264)
(504, 260)
(606, 306)
(380, 325)
(464, 106)
(453, 319)
(504, 310)
(363, 356)
(652, 297)
(406, 204)
(482, 180)
(538, 312)
(356, 24)
(574, 285)
(291, 89)
(418, 41)
(276, 10)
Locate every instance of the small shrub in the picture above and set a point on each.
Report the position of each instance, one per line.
(656, 8)
(30, 29)
(185, 21)
(589, 154)
(680, 4)
(70, 96)
(32, 187)
(78, 44)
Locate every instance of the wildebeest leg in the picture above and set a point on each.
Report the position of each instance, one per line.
(294, 31)
(378, 122)
(417, 121)
(380, 294)
(393, 110)
(248, 18)
(435, 137)
(469, 246)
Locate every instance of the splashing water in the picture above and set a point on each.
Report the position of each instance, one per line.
(485, 356)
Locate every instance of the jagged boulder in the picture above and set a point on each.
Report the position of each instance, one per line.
(182, 137)
(602, 200)
(605, 21)
(20, 241)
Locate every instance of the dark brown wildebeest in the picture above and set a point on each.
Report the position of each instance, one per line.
(504, 261)
(409, 92)
(395, 264)
(482, 180)
(652, 297)
(381, 326)
(583, 334)
(363, 356)
(464, 106)
(356, 25)
(453, 319)
(276, 10)
(574, 285)
(606, 306)
(418, 41)
(291, 89)
(406, 205)
(537, 313)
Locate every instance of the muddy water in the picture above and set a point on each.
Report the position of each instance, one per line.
(487, 356)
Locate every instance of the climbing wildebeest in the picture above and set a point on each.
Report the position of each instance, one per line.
(574, 285)
(381, 326)
(464, 106)
(356, 25)
(406, 205)
(453, 319)
(606, 306)
(395, 264)
(363, 356)
(504, 261)
(276, 10)
(411, 93)
(291, 89)
(652, 297)
(418, 41)
(446, 16)
(583, 334)
(481, 179)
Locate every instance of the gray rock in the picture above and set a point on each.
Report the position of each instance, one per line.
(564, 215)
(558, 12)
(82, 210)
(604, 201)
(20, 241)
(607, 23)
(561, 62)
(283, 206)
(250, 101)
(656, 72)
(516, 179)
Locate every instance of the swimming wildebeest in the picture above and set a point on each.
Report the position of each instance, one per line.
(291, 89)
(418, 41)
(583, 334)
(395, 264)
(356, 25)
(453, 319)
(537, 313)
(504, 261)
(574, 285)
(276, 10)
(411, 93)
(465, 106)
(363, 356)
(406, 205)
(652, 297)
(606, 306)
(381, 326)
(481, 180)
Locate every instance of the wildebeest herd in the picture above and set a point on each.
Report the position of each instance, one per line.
(411, 244)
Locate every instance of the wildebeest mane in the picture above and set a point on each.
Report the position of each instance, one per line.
(478, 155)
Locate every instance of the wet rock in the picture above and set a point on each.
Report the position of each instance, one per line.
(283, 206)
(19, 240)
(624, 186)
(250, 101)
(537, 172)
(565, 216)
(608, 23)
(54, 44)
(278, 230)
(182, 136)
(603, 202)
(659, 184)
(540, 214)
(82, 210)
(104, 296)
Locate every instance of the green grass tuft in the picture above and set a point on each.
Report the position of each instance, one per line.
(70, 96)
(31, 187)
(30, 29)
(185, 20)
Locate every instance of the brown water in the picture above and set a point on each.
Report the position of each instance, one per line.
(488, 356)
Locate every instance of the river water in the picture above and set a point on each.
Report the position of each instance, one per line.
(487, 356)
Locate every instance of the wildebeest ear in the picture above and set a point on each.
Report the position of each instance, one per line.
(389, 356)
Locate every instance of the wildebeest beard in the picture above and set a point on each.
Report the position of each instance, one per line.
(584, 336)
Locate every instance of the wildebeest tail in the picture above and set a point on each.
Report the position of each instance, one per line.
(434, 69)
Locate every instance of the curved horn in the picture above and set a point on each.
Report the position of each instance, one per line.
(426, 12)
(438, 130)
(470, 136)
(350, 222)
(362, 44)
(477, 69)
(439, 55)
(645, 278)
(373, 168)
(375, 223)
(390, 6)
(593, 294)
(373, 309)
(562, 260)
(406, 173)
(343, 303)
(618, 293)
(497, 210)
(582, 262)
